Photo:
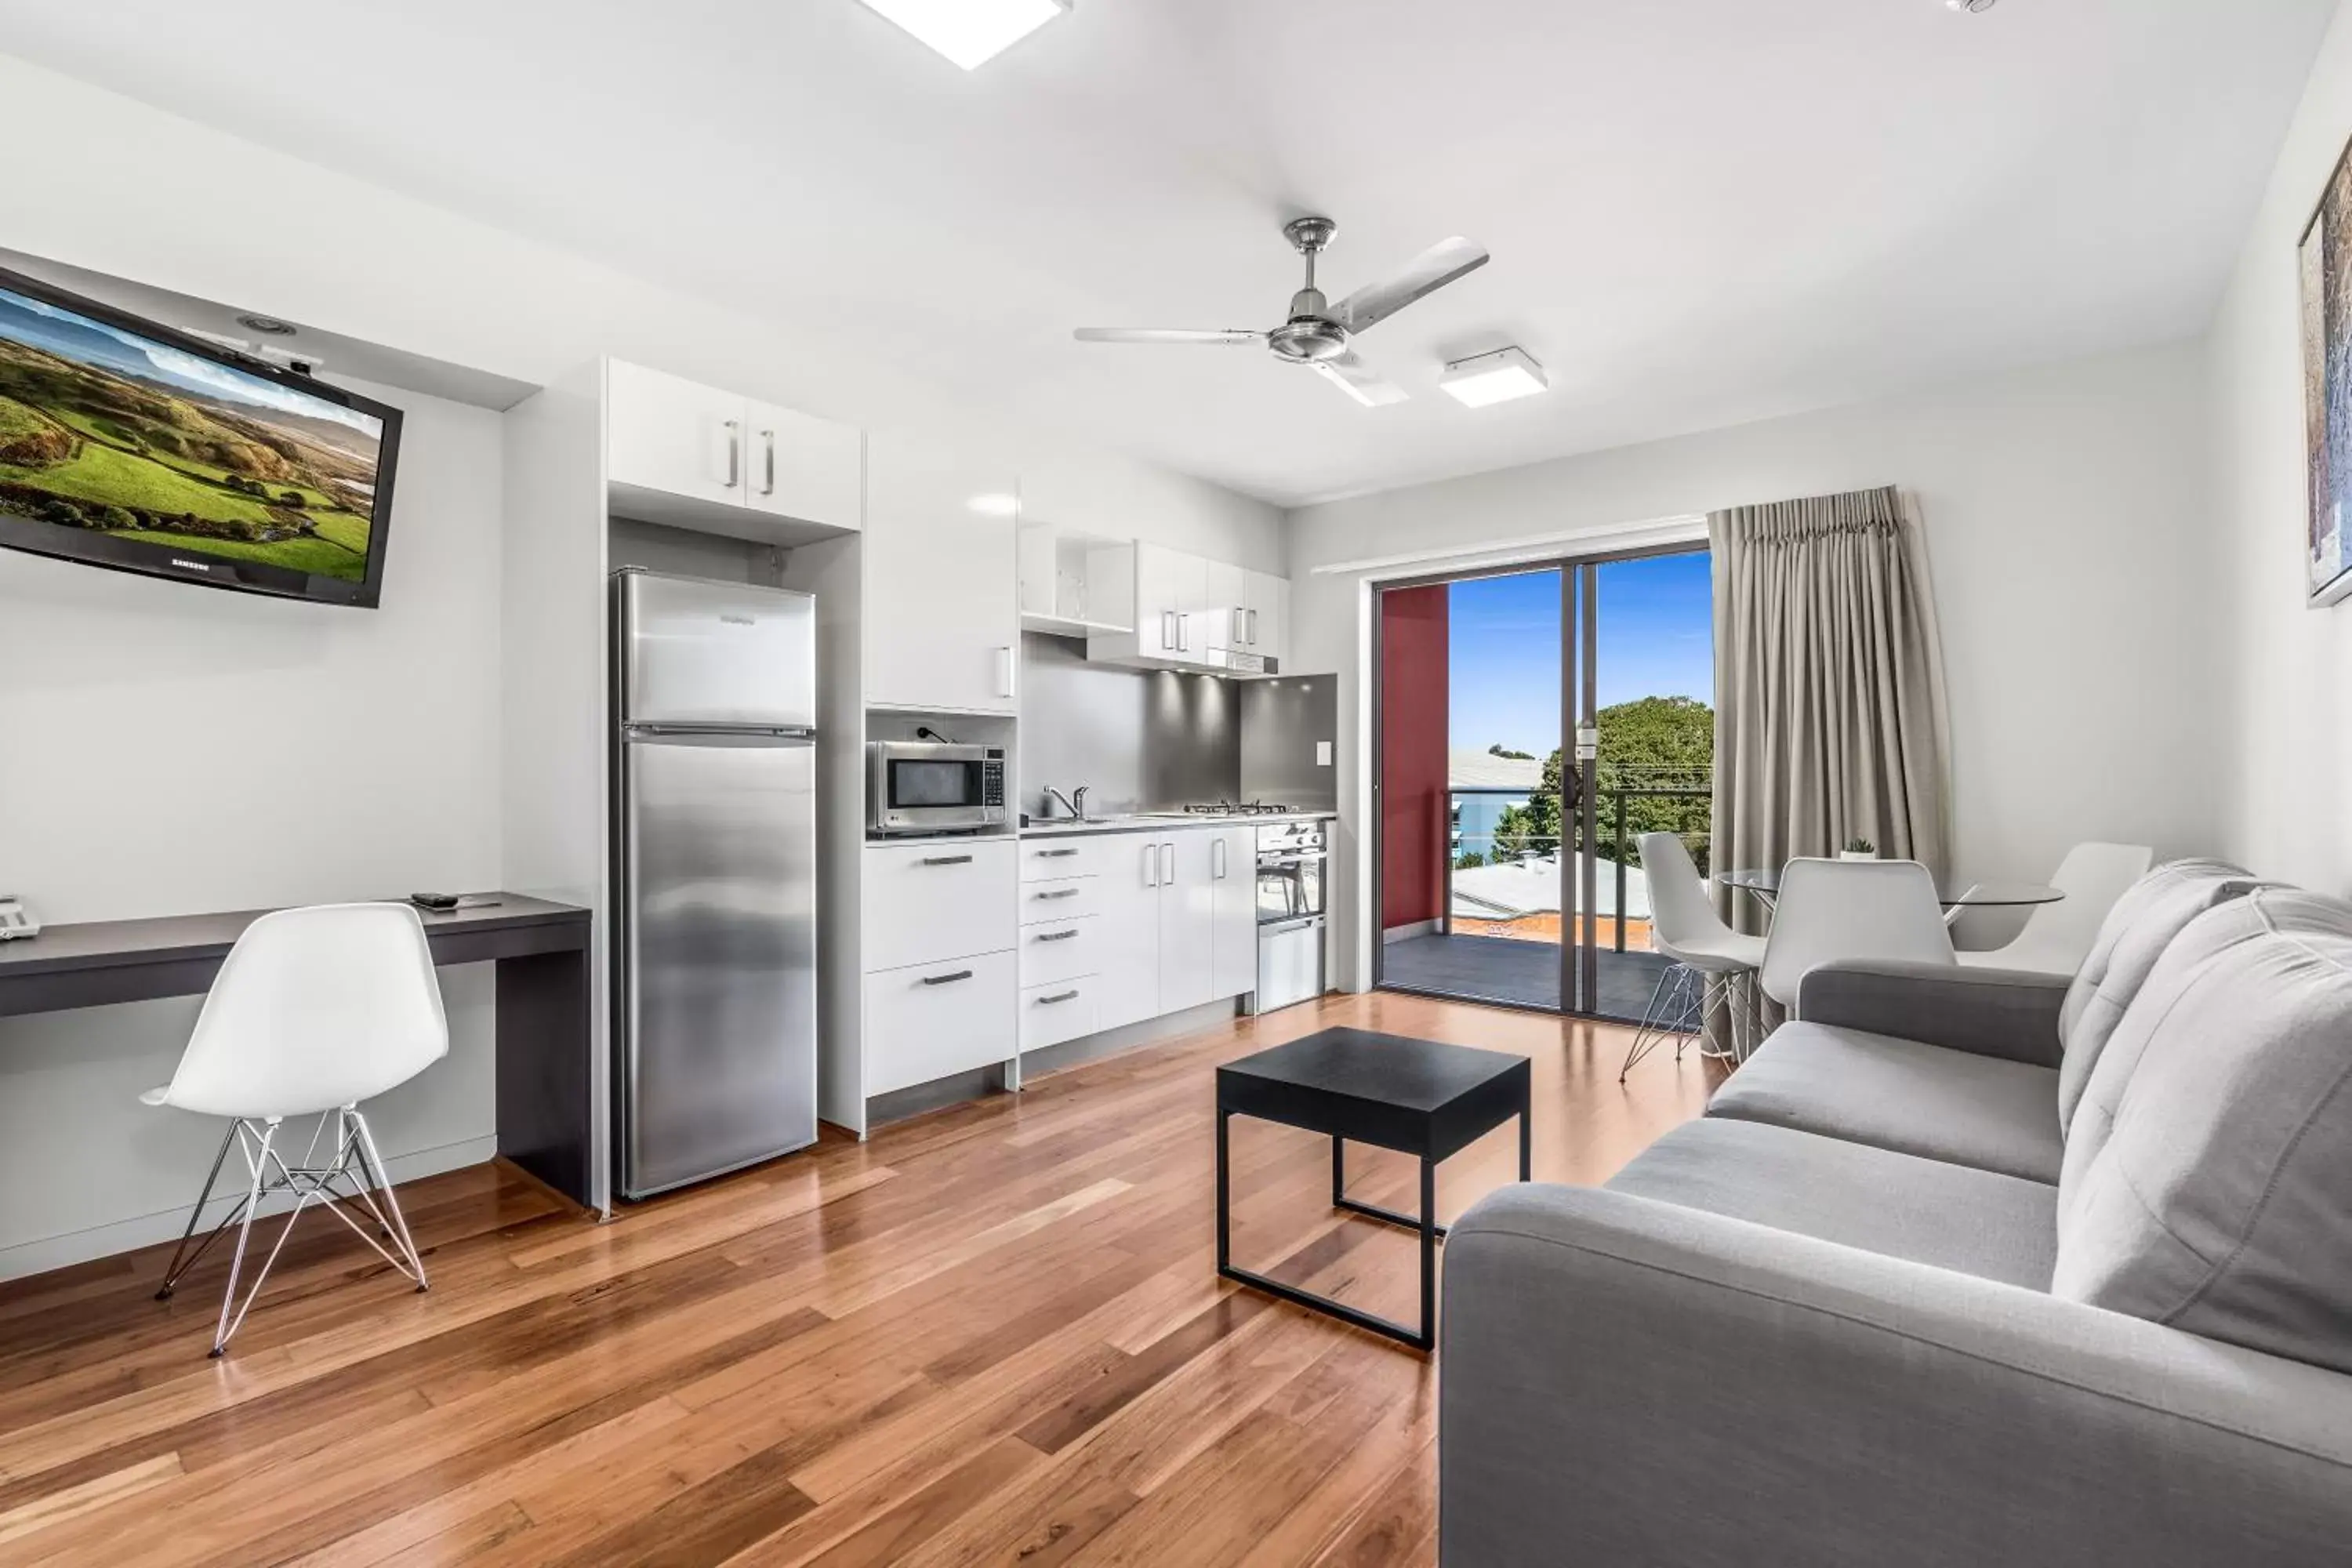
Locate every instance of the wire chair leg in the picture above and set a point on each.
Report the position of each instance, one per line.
(173, 1270)
(1667, 1014)
(259, 1161)
(372, 1164)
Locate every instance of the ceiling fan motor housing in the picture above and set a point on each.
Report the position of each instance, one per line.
(1308, 334)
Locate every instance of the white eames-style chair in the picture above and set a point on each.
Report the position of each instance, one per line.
(1713, 965)
(2056, 937)
(1837, 911)
(313, 1011)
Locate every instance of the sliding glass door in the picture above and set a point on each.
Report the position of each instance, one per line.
(1530, 725)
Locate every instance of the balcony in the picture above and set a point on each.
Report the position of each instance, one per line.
(1512, 898)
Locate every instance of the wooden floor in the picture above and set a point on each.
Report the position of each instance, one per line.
(993, 1334)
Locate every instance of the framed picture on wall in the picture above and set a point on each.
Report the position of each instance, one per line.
(2325, 260)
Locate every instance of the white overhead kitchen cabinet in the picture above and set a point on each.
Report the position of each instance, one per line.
(1191, 613)
(697, 456)
(942, 596)
(1176, 922)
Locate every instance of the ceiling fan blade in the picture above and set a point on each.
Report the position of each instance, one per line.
(1431, 270)
(1163, 336)
(1360, 381)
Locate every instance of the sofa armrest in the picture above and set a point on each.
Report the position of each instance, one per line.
(1630, 1381)
(2010, 1013)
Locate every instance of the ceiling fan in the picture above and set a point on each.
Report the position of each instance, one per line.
(1317, 331)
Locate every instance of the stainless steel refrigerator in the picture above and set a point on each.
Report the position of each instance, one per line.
(714, 779)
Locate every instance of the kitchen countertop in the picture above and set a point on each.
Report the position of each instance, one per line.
(1167, 822)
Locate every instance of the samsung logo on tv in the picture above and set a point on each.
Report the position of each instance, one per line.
(191, 566)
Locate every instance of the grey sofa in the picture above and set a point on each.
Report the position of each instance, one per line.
(1964, 1268)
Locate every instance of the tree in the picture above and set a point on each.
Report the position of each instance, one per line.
(1469, 860)
(1499, 749)
(1664, 743)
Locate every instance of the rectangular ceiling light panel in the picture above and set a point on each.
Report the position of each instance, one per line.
(1496, 377)
(970, 32)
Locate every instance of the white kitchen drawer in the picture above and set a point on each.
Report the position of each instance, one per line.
(1074, 855)
(1060, 950)
(1060, 1010)
(1064, 898)
(939, 899)
(929, 1020)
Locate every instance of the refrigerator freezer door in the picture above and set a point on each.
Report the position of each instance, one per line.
(715, 653)
(718, 1022)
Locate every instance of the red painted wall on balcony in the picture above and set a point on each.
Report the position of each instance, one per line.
(1414, 728)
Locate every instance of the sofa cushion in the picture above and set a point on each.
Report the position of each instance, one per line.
(2208, 1179)
(1898, 1206)
(2135, 935)
(1914, 1098)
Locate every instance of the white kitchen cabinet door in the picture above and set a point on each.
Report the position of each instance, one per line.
(1232, 941)
(1222, 619)
(674, 436)
(801, 466)
(1265, 623)
(1168, 587)
(1126, 933)
(1188, 921)
(932, 1019)
(942, 608)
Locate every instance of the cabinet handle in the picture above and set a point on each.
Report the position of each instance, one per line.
(768, 487)
(947, 859)
(734, 454)
(1151, 864)
(1058, 935)
(1170, 851)
(1004, 672)
(1217, 856)
(1061, 893)
(1065, 996)
(1252, 616)
(1054, 854)
(947, 979)
(1167, 631)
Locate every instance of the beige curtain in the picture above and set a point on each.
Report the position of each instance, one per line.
(1830, 719)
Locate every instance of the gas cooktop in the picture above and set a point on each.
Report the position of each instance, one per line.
(1238, 808)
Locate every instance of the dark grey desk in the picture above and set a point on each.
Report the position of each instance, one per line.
(540, 949)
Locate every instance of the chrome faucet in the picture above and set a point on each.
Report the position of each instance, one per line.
(1073, 803)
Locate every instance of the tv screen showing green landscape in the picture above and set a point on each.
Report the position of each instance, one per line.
(143, 449)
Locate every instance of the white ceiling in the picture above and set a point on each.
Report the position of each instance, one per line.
(1701, 212)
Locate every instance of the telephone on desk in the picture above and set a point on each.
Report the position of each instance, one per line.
(16, 920)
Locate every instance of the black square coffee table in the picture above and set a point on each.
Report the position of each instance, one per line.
(1418, 1096)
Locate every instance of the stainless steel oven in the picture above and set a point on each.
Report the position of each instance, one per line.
(930, 786)
(1293, 860)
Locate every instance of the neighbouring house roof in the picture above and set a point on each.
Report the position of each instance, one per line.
(1532, 886)
(1484, 770)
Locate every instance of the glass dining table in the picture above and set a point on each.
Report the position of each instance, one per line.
(1953, 893)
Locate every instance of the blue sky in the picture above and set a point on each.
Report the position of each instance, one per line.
(1655, 635)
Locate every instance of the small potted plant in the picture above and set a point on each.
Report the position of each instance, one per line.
(1858, 849)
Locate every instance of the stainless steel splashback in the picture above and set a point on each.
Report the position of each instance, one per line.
(1281, 724)
(1135, 738)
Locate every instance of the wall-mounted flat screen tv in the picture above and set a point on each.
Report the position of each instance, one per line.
(127, 445)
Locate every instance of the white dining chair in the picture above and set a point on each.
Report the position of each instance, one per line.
(1838, 910)
(313, 1011)
(1714, 967)
(2056, 937)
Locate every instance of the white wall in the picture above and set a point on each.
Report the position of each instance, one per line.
(2286, 715)
(365, 744)
(386, 268)
(174, 750)
(2072, 567)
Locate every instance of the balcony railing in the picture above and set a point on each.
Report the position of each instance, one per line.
(1626, 802)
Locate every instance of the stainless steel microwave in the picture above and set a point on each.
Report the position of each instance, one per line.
(929, 786)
